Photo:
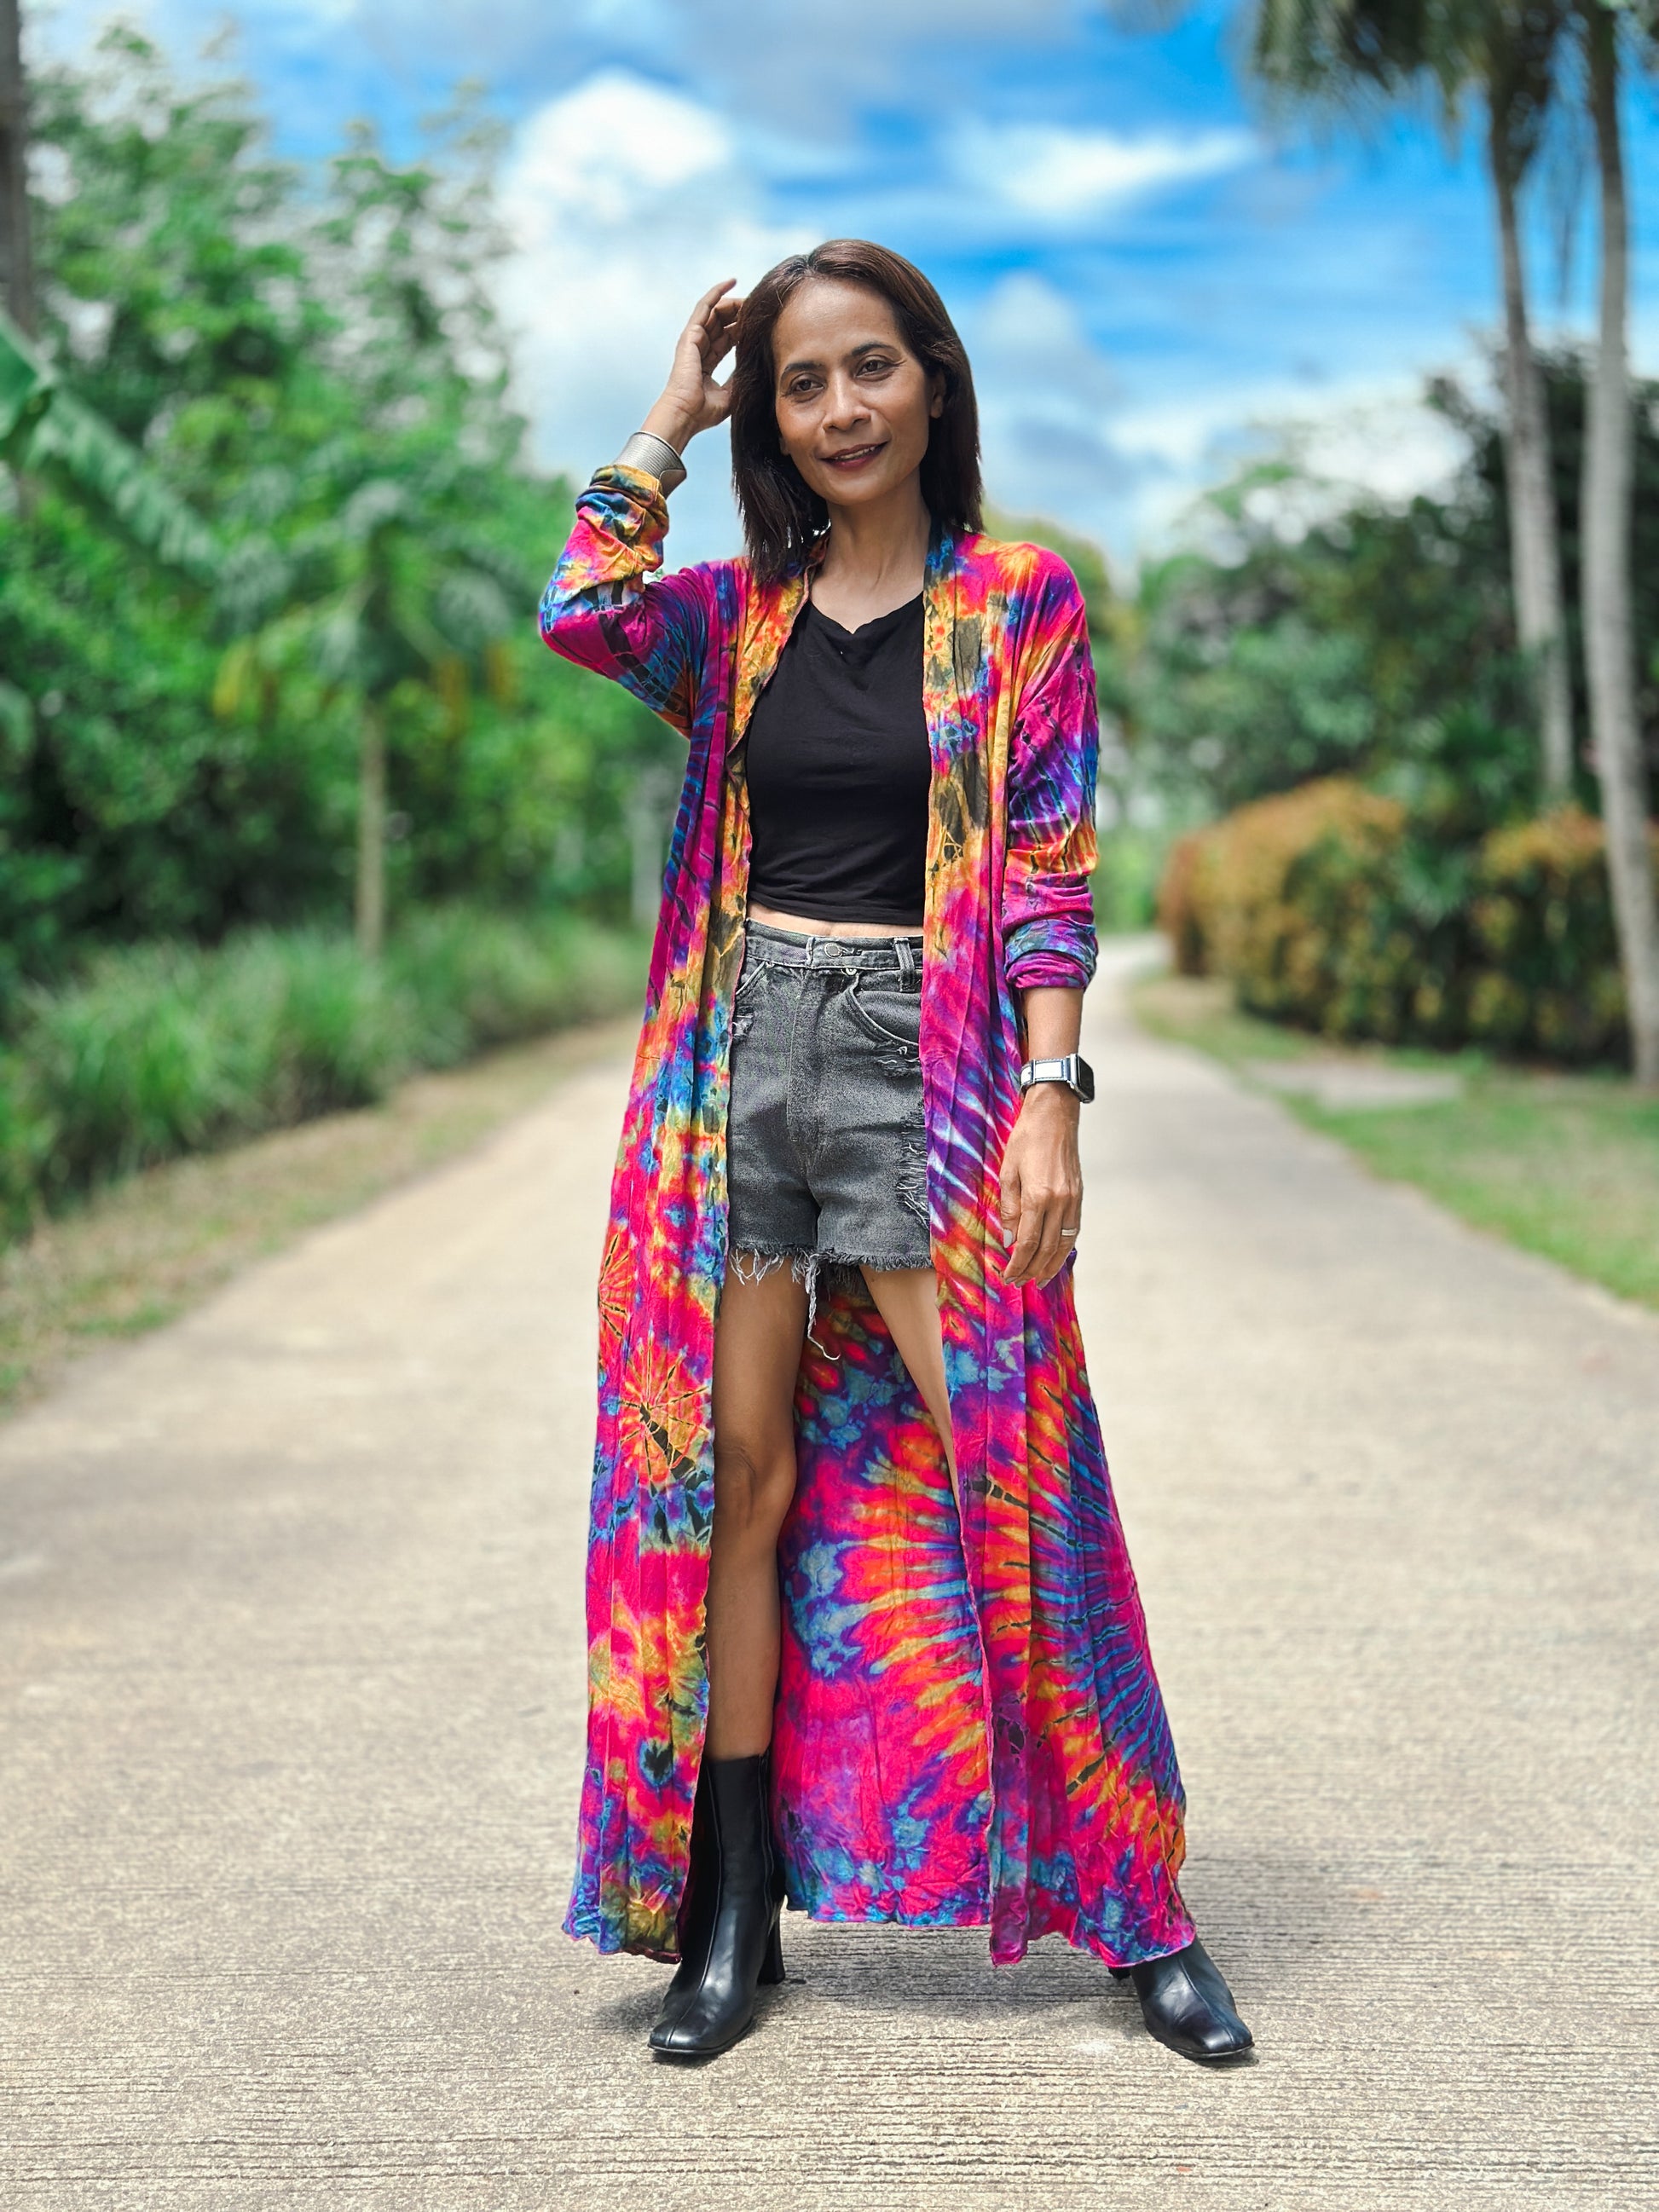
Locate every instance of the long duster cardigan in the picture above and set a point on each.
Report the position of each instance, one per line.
(969, 1731)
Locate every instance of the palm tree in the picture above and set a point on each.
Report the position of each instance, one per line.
(1357, 53)
(1609, 655)
(17, 261)
(46, 431)
(1515, 50)
(1509, 48)
(379, 600)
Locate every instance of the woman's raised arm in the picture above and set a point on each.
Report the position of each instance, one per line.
(604, 607)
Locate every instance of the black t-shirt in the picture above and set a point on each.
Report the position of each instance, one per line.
(838, 771)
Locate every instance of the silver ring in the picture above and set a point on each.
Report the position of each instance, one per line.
(1068, 1232)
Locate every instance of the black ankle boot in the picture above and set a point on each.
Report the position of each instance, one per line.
(730, 1943)
(1188, 2006)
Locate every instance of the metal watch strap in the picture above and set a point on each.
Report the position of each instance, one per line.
(646, 451)
(1073, 1070)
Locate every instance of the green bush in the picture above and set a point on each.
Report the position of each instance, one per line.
(163, 1049)
(1127, 878)
(1329, 908)
(473, 979)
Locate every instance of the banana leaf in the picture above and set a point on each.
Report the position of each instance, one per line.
(47, 430)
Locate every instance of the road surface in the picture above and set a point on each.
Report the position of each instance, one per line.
(290, 1650)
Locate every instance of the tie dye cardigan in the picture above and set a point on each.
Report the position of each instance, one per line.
(969, 1731)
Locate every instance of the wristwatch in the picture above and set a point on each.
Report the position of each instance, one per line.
(1073, 1071)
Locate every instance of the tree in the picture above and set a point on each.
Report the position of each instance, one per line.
(265, 341)
(1354, 53)
(386, 589)
(383, 600)
(1609, 654)
(1509, 47)
(1515, 51)
(47, 430)
(16, 258)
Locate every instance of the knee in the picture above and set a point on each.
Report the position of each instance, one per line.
(753, 1486)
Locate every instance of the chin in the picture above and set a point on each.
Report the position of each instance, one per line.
(878, 484)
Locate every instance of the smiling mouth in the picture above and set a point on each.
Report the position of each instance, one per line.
(855, 457)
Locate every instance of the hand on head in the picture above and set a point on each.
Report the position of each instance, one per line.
(691, 399)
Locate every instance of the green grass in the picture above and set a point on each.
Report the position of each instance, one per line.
(1566, 1165)
(133, 1254)
(162, 1050)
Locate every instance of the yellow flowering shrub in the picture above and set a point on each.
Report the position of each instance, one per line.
(1323, 908)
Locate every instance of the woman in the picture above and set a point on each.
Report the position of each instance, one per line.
(862, 1627)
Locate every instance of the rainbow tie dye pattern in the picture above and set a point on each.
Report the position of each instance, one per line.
(969, 1731)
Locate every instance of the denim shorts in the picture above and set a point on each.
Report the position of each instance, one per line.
(826, 1146)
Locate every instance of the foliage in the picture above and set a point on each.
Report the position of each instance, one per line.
(165, 1049)
(1126, 876)
(1311, 904)
(1565, 371)
(1313, 632)
(44, 429)
(298, 353)
(1541, 927)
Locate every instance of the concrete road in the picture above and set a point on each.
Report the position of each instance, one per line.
(292, 1676)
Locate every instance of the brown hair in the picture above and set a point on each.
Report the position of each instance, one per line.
(781, 515)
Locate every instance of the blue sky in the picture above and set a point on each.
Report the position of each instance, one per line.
(1143, 271)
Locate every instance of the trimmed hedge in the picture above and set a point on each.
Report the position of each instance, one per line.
(1325, 907)
(162, 1049)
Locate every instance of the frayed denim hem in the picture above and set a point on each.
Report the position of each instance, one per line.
(753, 1263)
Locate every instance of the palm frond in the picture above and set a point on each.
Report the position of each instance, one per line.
(45, 430)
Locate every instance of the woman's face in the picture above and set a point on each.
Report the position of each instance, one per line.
(853, 402)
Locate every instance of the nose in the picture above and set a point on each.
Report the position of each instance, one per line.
(845, 406)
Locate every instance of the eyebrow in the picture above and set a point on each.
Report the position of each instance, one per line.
(866, 345)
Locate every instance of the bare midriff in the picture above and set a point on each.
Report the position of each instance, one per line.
(810, 928)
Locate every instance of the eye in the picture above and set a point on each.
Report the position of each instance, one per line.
(877, 365)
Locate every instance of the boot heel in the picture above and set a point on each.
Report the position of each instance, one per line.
(772, 1966)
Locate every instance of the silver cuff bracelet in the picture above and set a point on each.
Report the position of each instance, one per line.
(655, 457)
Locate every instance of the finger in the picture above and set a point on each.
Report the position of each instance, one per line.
(700, 312)
(1050, 1250)
(1008, 1204)
(1026, 1244)
(701, 319)
(719, 342)
(1068, 1214)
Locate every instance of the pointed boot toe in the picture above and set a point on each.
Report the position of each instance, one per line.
(1187, 2005)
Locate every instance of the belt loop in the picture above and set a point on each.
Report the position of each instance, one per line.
(907, 959)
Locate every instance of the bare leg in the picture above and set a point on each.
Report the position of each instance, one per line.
(757, 1344)
(906, 1299)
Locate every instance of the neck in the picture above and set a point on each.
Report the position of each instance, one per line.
(879, 549)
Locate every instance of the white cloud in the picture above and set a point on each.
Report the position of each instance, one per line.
(1360, 435)
(624, 200)
(1046, 396)
(1069, 434)
(617, 143)
(1064, 176)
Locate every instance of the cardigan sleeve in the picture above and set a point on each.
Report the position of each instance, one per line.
(606, 609)
(1048, 910)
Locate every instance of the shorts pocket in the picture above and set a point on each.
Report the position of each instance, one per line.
(752, 971)
(889, 1012)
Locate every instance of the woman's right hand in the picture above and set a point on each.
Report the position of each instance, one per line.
(691, 400)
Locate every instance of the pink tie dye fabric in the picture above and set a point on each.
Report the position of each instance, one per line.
(969, 1731)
